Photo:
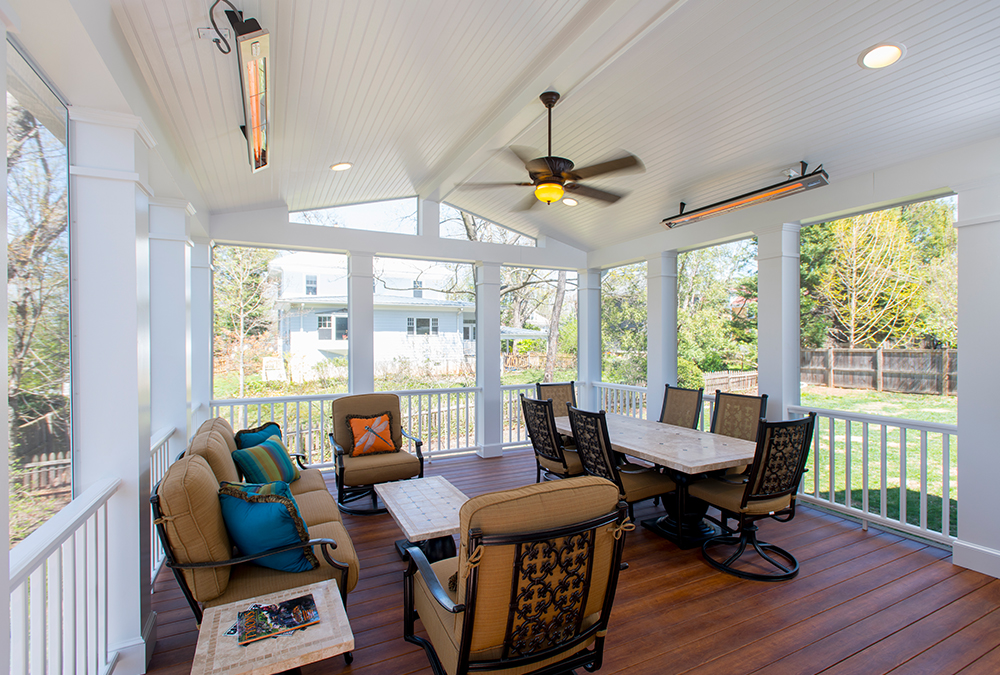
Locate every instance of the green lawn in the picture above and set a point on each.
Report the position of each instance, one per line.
(875, 445)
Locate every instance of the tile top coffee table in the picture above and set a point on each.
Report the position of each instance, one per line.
(218, 653)
(426, 510)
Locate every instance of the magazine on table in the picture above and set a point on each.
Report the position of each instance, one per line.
(263, 621)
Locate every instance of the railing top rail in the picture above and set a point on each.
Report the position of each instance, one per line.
(40, 544)
(270, 400)
(878, 419)
(624, 387)
(511, 387)
(161, 437)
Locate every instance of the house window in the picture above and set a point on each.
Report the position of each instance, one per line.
(469, 330)
(310, 284)
(421, 326)
(418, 289)
(325, 327)
(341, 328)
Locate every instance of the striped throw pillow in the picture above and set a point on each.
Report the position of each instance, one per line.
(266, 462)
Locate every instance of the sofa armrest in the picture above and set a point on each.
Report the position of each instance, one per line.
(419, 562)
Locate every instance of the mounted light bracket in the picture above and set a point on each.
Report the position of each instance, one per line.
(795, 185)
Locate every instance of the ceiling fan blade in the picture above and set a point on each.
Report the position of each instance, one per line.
(530, 202)
(477, 186)
(594, 193)
(625, 162)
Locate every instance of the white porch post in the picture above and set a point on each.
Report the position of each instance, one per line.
(661, 328)
(11, 24)
(778, 318)
(978, 545)
(360, 323)
(201, 333)
(588, 337)
(489, 362)
(429, 218)
(170, 320)
(110, 219)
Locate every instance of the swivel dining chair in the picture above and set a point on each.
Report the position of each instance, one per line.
(681, 407)
(766, 491)
(561, 393)
(738, 415)
(550, 456)
(590, 430)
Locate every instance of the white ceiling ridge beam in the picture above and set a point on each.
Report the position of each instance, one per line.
(509, 122)
(269, 228)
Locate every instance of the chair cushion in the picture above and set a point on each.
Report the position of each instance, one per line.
(251, 437)
(380, 468)
(573, 464)
(264, 517)
(728, 495)
(371, 434)
(210, 443)
(266, 462)
(645, 484)
(192, 519)
(365, 405)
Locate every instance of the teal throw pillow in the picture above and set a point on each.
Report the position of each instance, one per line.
(265, 520)
(248, 438)
(266, 462)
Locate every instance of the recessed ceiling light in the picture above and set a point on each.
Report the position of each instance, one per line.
(881, 55)
(569, 201)
(341, 166)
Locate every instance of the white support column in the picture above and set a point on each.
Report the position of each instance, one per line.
(429, 219)
(978, 545)
(170, 319)
(778, 318)
(11, 24)
(588, 337)
(489, 364)
(110, 262)
(661, 328)
(360, 323)
(201, 333)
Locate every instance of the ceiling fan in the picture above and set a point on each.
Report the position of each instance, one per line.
(552, 176)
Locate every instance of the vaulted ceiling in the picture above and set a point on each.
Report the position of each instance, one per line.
(716, 98)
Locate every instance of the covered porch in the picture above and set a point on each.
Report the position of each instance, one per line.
(156, 180)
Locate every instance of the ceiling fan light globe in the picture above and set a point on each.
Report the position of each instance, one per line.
(549, 192)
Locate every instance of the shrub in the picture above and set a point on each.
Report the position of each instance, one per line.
(689, 375)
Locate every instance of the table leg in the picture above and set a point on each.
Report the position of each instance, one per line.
(684, 524)
(434, 549)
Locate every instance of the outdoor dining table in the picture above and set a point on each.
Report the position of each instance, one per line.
(686, 454)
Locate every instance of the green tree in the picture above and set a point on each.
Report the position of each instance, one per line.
(815, 260)
(623, 324)
(244, 302)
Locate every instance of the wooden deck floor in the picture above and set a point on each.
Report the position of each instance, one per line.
(864, 602)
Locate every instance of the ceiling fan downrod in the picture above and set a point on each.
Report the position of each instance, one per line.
(549, 99)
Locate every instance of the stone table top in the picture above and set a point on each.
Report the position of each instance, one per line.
(679, 448)
(218, 653)
(424, 508)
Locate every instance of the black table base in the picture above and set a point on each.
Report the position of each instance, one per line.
(694, 529)
(434, 549)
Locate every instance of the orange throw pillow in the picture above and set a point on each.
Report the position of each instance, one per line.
(372, 435)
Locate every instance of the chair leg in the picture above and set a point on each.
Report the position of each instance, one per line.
(786, 563)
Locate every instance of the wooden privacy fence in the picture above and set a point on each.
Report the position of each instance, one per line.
(731, 380)
(46, 474)
(908, 371)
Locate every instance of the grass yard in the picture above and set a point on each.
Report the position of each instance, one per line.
(849, 453)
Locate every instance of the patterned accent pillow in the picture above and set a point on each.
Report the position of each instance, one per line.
(372, 435)
(266, 462)
(262, 521)
(248, 438)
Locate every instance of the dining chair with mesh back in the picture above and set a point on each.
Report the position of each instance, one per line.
(561, 393)
(550, 456)
(681, 407)
(766, 491)
(590, 430)
(738, 415)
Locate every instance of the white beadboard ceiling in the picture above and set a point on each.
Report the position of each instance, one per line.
(716, 97)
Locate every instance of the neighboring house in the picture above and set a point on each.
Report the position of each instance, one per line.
(416, 325)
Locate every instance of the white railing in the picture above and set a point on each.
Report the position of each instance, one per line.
(623, 399)
(59, 590)
(898, 473)
(444, 419)
(514, 431)
(159, 460)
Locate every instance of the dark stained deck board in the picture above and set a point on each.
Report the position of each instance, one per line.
(870, 602)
